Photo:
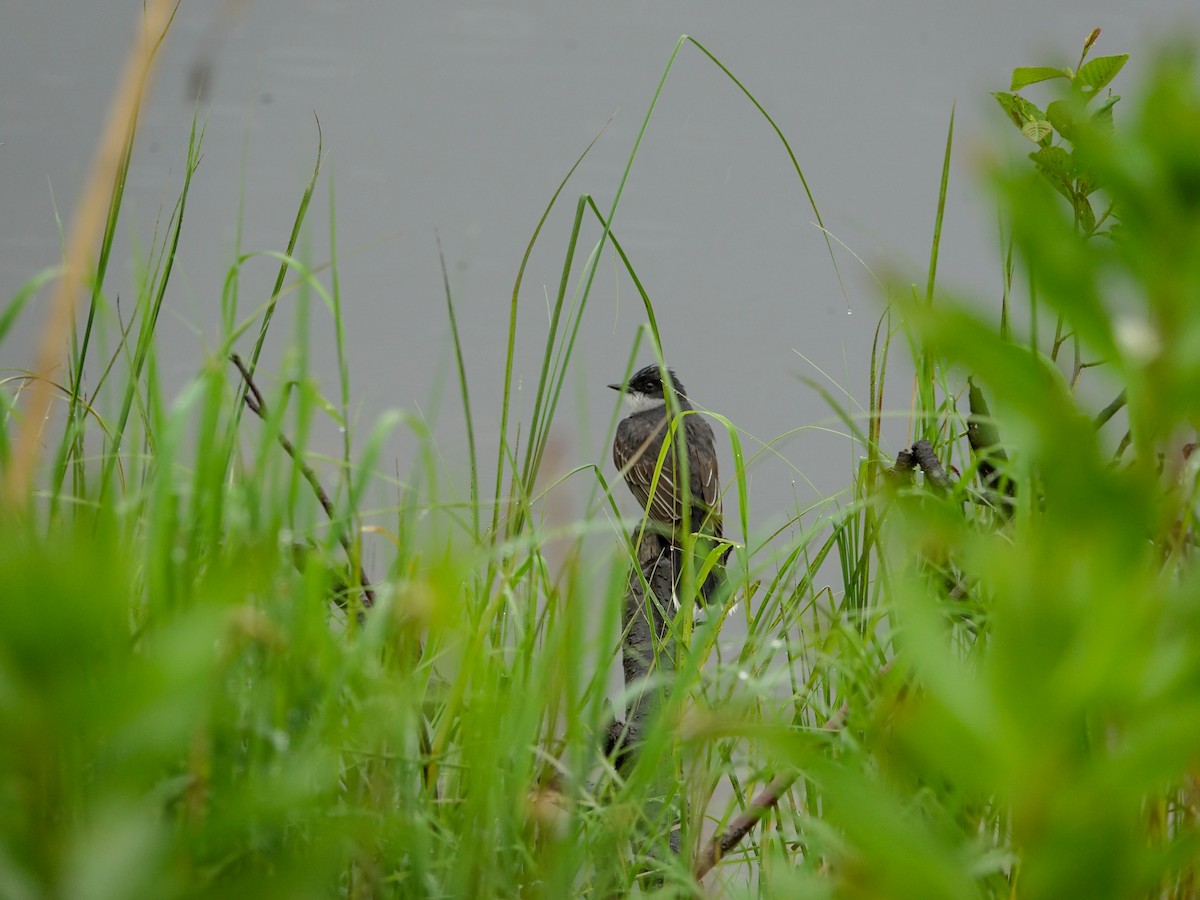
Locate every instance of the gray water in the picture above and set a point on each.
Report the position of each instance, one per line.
(460, 119)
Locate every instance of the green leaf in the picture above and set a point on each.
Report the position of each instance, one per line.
(1025, 75)
(1037, 130)
(1055, 172)
(1087, 184)
(1008, 102)
(1061, 116)
(1103, 117)
(1054, 161)
(1098, 72)
(1018, 108)
(1087, 218)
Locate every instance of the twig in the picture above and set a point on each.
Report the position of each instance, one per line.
(722, 842)
(1111, 410)
(254, 402)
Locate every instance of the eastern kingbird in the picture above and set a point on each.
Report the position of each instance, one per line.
(637, 447)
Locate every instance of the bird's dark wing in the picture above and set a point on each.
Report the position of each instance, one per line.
(703, 476)
(635, 452)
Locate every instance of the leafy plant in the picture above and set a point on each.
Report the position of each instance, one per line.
(1055, 130)
(1036, 734)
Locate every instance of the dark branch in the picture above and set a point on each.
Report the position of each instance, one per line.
(767, 799)
(255, 403)
(920, 456)
(984, 438)
(931, 466)
(902, 471)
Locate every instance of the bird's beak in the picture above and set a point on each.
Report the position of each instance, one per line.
(617, 387)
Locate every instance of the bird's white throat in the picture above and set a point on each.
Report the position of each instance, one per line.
(639, 402)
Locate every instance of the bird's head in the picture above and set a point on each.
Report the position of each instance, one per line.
(644, 390)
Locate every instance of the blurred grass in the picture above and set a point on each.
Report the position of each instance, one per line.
(957, 697)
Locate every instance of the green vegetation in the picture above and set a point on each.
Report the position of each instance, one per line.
(204, 692)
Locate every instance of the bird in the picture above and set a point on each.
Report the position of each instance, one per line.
(636, 450)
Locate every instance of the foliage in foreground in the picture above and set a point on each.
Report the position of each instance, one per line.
(1008, 672)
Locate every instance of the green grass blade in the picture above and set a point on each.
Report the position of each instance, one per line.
(927, 419)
